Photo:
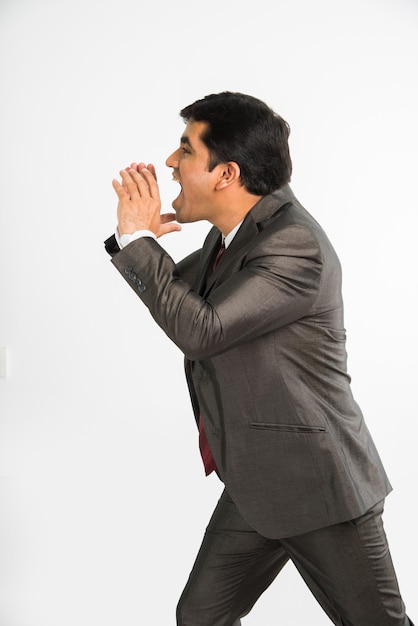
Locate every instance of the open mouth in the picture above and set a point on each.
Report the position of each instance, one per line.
(177, 180)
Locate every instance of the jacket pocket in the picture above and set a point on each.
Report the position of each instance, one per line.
(288, 428)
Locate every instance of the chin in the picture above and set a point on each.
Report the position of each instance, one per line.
(179, 212)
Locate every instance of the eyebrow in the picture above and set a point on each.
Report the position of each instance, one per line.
(186, 140)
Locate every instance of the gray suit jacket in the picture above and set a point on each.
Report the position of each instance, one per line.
(264, 341)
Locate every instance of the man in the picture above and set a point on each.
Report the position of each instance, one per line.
(263, 335)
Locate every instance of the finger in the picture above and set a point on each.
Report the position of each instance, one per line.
(152, 170)
(142, 182)
(120, 190)
(152, 183)
(140, 166)
(167, 217)
(150, 167)
(168, 228)
(129, 182)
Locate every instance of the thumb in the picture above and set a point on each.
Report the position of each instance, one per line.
(170, 227)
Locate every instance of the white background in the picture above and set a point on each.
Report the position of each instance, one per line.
(103, 498)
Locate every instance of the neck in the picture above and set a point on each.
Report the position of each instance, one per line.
(233, 212)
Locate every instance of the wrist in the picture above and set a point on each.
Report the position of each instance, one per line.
(128, 228)
(127, 238)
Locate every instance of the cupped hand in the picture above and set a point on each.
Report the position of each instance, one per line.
(139, 203)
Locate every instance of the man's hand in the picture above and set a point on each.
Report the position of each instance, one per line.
(139, 202)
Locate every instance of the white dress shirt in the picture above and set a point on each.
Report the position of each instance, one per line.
(124, 240)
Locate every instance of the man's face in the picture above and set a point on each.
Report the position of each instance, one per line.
(190, 163)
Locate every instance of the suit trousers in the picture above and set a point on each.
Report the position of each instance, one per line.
(347, 567)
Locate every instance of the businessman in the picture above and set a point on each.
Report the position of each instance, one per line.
(258, 314)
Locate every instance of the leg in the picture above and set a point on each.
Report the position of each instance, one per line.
(348, 568)
(234, 566)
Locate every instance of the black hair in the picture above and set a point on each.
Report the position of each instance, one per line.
(245, 130)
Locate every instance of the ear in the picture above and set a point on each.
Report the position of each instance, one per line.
(229, 173)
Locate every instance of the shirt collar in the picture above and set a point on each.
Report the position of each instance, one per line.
(229, 237)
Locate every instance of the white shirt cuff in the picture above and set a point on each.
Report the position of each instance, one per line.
(123, 240)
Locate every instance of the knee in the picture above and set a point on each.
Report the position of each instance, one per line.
(191, 612)
(187, 614)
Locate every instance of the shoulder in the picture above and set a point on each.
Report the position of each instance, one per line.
(281, 218)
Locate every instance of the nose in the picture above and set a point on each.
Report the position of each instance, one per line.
(173, 160)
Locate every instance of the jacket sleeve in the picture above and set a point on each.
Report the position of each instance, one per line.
(277, 284)
(188, 268)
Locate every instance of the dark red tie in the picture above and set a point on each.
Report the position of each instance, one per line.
(207, 458)
(219, 255)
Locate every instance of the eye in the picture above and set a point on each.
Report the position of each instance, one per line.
(185, 150)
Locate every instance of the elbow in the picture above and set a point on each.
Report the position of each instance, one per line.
(195, 352)
(199, 350)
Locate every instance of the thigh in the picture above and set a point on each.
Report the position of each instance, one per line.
(349, 569)
(234, 566)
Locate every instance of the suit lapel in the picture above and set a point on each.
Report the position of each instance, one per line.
(209, 251)
(244, 236)
(253, 223)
